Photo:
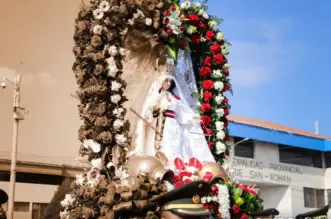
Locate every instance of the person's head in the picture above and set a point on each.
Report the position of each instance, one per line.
(168, 84)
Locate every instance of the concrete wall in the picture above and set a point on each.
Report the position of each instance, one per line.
(279, 188)
(32, 193)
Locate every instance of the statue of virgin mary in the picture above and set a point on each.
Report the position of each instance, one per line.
(169, 125)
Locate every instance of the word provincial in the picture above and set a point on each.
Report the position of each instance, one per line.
(254, 164)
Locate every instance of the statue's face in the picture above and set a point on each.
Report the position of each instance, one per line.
(166, 84)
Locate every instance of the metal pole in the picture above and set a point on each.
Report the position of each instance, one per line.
(16, 104)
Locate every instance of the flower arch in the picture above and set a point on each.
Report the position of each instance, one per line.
(106, 33)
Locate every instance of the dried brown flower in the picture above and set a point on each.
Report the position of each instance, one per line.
(98, 69)
(96, 41)
(102, 121)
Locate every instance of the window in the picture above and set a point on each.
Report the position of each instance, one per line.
(243, 149)
(327, 159)
(329, 197)
(38, 210)
(300, 156)
(32, 178)
(313, 198)
(21, 206)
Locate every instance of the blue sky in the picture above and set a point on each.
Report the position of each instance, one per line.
(280, 58)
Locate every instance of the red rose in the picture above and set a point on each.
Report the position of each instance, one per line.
(208, 60)
(225, 100)
(208, 132)
(176, 178)
(166, 21)
(202, 26)
(215, 48)
(205, 71)
(172, 6)
(169, 31)
(208, 84)
(227, 138)
(236, 209)
(184, 173)
(207, 96)
(178, 183)
(219, 215)
(226, 152)
(195, 38)
(205, 120)
(226, 122)
(167, 13)
(183, 44)
(227, 73)
(187, 181)
(210, 35)
(219, 59)
(226, 111)
(214, 189)
(244, 216)
(194, 19)
(226, 87)
(211, 145)
(206, 107)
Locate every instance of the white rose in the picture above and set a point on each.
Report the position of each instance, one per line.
(219, 125)
(148, 21)
(225, 50)
(215, 199)
(219, 85)
(97, 163)
(115, 86)
(220, 147)
(131, 22)
(115, 98)
(203, 39)
(185, 5)
(220, 135)
(205, 15)
(113, 51)
(136, 15)
(120, 139)
(118, 112)
(203, 200)
(213, 25)
(201, 11)
(219, 112)
(89, 143)
(220, 36)
(112, 70)
(209, 199)
(118, 124)
(219, 99)
(196, 5)
(189, 31)
(226, 66)
(217, 73)
(93, 182)
(97, 29)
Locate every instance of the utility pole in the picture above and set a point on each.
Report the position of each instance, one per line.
(17, 116)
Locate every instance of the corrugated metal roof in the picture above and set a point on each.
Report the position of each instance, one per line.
(273, 126)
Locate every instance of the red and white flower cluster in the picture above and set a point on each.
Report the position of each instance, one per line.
(186, 173)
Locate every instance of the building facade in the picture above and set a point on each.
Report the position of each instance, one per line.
(35, 187)
(292, 168)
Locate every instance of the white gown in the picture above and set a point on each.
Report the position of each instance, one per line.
(182, 137)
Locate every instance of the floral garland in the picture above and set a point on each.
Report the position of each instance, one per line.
(189, 23)
(98, 68)
(231, 200)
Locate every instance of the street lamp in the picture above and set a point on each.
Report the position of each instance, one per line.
(17, 116)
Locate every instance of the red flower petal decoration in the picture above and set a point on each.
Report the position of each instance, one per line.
(193, 162)
(208, 176)
(179, 164)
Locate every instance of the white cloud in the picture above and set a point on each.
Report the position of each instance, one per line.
(259, 52)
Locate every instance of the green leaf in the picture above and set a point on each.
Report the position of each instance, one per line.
(172, 52)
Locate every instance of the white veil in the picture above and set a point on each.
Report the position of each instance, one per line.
(185, 78)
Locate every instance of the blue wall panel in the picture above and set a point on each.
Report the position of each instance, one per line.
(278, 137)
